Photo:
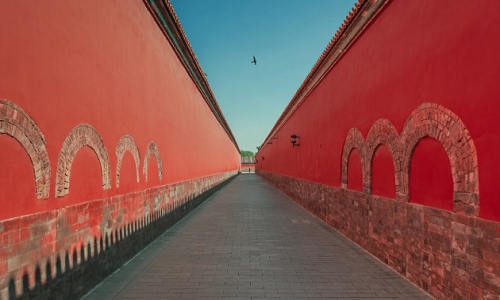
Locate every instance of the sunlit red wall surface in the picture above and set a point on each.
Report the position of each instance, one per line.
(414, 52)
(106, 64)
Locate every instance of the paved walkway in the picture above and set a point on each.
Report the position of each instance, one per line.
(249, 241)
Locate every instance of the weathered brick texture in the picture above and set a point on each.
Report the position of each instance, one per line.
(152, 150)
(428, 120)
(126, 143)
(81, 136)
(19, 125)
(449, 254)
(61, 254)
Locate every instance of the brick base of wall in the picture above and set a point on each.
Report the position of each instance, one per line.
(447, 254)
(62, 254)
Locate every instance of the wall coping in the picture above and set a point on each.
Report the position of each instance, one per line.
(359, 19)
(166, 19)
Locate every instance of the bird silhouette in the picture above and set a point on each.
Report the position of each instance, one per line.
(254, 61)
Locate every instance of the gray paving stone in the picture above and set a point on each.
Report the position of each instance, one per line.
(249, 241)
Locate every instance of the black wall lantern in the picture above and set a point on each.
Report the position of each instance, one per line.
(262, 157)
(294, 138)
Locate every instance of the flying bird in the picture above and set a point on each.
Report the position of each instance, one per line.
(254, 61)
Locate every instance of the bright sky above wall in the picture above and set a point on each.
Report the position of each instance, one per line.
(286, 36)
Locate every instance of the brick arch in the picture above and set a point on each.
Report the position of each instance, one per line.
(434, 120)
(81, 136)
(353, 140)
(126, 143)
(383, 132)
(428, 120)
(15, 122)
(152, 150)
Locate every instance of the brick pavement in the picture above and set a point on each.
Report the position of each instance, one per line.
(249, 241)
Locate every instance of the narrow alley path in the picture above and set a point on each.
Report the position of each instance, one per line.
(249, 241)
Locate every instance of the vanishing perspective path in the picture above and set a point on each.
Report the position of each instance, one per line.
(250, 241)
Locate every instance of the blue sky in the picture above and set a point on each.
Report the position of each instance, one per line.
(286, 36)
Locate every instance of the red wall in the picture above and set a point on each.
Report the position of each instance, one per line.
(355, 173)
(106, 64)
(414, 52)
(383, 173)
(429, 187)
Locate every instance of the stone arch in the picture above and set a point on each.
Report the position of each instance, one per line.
(353, 140)
(126, 143)
(15, 122)
(383, 132)
(152, 150)
(434, 120)
(82, 135)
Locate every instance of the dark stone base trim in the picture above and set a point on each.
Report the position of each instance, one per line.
(84, 266)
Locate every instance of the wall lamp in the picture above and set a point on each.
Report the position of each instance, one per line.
(262, 157)
(295, 142)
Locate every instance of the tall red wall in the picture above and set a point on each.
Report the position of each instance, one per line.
(398, 142)
(414, 52)
(106, 64)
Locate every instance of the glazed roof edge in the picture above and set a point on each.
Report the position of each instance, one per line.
(164, 14)
(359, 18)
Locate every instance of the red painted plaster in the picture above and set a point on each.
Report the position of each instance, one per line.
(355, 171)
(413, 53)
(85, 176)
(430, 176)
(128, 178)
(106, 64)
(16, 200)
(383, 174)
(153, 172)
